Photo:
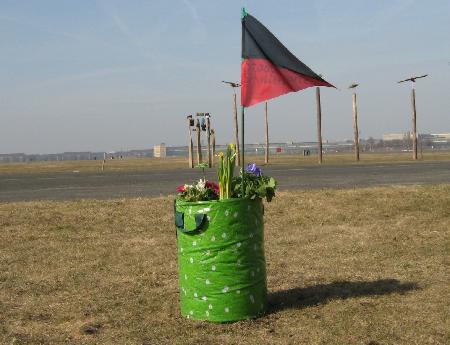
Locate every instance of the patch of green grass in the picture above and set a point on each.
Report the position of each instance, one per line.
(364, 266)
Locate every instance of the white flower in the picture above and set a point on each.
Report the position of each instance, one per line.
(201, 185)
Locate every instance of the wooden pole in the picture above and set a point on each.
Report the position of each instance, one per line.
(236, 130)
(355, 127)
(213, 146)
(199, 145)
(104, 161)
(190, 145)
(414, 121)
(319, 125)
(208, 140)
(266, 158)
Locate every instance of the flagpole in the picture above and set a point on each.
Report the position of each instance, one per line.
(242, 151)
(243, 14)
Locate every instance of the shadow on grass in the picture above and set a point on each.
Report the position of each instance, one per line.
(320, 294)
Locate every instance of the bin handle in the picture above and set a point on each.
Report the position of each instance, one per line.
(200, 219)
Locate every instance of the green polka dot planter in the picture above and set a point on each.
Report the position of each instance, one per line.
(222, 269)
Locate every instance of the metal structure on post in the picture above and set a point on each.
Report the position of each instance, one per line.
(235, 119)
(414, 112)
(319, 125)
(355, 121)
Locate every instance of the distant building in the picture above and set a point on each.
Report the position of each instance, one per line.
(13, 157)
(441, 137)
(159, 151)
(396, 136)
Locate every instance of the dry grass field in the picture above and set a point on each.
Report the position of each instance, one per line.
(367, 266)
(145, 164)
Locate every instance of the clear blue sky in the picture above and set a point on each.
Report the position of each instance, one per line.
(110, 75)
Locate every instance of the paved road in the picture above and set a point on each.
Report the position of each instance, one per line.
(70, 186)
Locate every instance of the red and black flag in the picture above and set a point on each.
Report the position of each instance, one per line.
(268, 68)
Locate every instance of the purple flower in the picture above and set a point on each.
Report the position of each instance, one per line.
(253, 169)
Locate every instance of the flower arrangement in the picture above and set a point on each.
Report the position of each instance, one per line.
(203, 190)
(257, 185)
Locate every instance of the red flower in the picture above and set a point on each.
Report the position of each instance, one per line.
(181, 189)
(213, 186)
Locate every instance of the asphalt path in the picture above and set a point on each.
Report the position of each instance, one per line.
(107, 185)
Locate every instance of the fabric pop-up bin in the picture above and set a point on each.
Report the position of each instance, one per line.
(222, 268)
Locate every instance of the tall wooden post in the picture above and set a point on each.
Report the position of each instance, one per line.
(208, 140)
(414, 122)
(236, 130)
(190, 145)
(199, 146)
(213, 145)
(266, 158)
(355, 127)
(319, 125)
(104, 161)
(414, 114)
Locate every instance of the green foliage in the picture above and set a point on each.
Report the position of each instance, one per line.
(255, 187)
(193, 194)
(202, 166)
(225, 171)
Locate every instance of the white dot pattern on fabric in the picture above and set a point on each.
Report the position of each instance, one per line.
(181, 250)
(191, 260)
(227, 212)
(224, 235)
(185, 276)
(194, 243)
(204, 298)
(207, 313)
(191, 312)
(227, 309)
(209, 218)
(238, 292)
(238, 262)
(210, 306)
(190, 210)
(213, 268)
(213, 238)
(238, 244)
(207, 282)
(225, 289)
(208, 252)
(195, 295)
(235, 214)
